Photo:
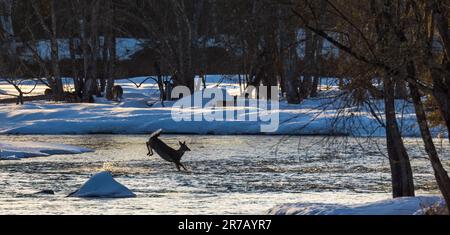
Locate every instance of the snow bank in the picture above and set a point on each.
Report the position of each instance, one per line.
(399, 206)
(19, 150)
(134, 116)
(103, 185)
(324, 115)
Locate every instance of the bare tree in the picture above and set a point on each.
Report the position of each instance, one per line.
(51, 31)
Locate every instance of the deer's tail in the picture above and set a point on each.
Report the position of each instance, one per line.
(156, 134)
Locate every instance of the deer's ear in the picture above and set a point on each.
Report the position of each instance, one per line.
(184, 143)
(180, 142)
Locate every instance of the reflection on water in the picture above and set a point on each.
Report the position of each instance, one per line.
(228, 174)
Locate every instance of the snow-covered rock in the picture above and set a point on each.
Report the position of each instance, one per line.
(19, 150)
(103, 185)
(399, 206)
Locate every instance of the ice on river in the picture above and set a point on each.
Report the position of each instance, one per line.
(19, 150)
(227, 174)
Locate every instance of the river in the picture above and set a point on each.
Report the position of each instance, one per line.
(228, 174)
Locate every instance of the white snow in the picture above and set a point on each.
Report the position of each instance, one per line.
(324, 115)
(103, 185)
(399, 206)
(20, 150)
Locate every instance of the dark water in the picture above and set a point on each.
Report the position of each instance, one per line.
(228, 174)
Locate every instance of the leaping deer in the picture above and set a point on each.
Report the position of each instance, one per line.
(166, 152)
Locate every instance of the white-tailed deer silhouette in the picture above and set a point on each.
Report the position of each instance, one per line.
(117, 92)
(166, 152)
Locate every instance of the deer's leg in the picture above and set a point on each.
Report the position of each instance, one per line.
(150, 151)
(181, 164)
(178, 167)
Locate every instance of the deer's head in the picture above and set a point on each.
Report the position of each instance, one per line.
(184, 147)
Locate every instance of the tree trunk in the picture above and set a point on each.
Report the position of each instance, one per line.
(402, 177)
(82, 20)
(110, 45)
(282, 58)
(73, 59)
(162, 93)
(306, 86)
(7, 25)
(55, 82)
(269, 61)
(292, 74)
(315, 86)
(441, 175)
(95, 47)
(317, 65)
(58, 89)
(442, 96)
(293, 84)
(441, 79)
(187, 41)
(401, 91)
(110, 67)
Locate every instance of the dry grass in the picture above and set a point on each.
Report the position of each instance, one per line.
(437, 209)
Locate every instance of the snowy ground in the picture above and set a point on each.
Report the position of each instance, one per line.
(319, 116)
(20, 150)
(400, 206)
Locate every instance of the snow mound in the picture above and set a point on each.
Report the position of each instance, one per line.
(399, 206)
(103, 185)
(19, 150)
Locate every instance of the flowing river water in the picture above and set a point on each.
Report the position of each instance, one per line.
(228, 174)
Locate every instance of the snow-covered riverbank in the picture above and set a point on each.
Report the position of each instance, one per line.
(326, 115)
(399, 206)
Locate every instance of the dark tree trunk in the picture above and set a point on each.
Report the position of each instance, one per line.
(315, 86)
(282, 57)
(402, 176)
(317, 65)
(86, 83)
(58, 89)
(20, 98)
(293, 86)
(110, 45)
(269, 62)
(162, 93)
(441, 79)
(95, 47)
(75, 76)
(307, 81)
(292, 74)
(440, 173)
(442, 96)
(401, 92)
